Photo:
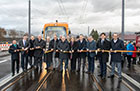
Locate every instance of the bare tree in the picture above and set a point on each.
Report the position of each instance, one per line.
(13, 33)
(2, 33)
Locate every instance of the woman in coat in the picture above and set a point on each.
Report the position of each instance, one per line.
(134, 55)
(73, 54)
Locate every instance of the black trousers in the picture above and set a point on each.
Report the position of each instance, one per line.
(73, 63)
(129, 60)
(134, 60)
(13, 66)
(80, 61)
(24, 62)
(31, 60)
(103, 66)
(38, 60)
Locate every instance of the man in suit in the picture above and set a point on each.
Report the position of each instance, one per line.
(31, 51)
(82, 55)
(39, 45)
(116, 57)
(103, 44)
(63, 46)
(14, 51)
(24, 45)
(55, 54)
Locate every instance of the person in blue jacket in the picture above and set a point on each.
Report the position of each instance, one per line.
(91, 45)
(129, 47)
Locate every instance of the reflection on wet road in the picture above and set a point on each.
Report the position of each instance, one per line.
(62, 82)
(29, 81)
(66, 81)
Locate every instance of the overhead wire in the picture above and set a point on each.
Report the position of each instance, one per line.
(64, 9)
(83, 9)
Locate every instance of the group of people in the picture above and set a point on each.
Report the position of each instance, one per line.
(131, 56)
(64, 49)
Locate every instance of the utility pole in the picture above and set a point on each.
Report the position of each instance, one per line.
(88, 30)
(123, 15)
(29, 19)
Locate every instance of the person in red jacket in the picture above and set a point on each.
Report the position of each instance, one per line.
(134, 54)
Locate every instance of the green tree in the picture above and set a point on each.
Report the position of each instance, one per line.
(94, 34)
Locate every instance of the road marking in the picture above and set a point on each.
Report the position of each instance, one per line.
(134, 82)
(7, 78)
(17, 79)
(131, 80)
(3, 61)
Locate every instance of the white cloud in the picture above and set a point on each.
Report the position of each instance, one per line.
(99, 14)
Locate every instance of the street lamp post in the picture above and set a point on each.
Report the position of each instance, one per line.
(123, 15)
(29, 19)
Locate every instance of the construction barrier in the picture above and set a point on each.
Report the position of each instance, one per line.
(4, 47)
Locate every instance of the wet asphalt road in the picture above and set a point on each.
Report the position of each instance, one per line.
(5, 66)
(57, 81)
(67, 81)
(27, 83)
(109, 84)
(133, 72)
(4, 53)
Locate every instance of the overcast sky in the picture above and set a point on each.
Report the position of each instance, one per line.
(102, 15)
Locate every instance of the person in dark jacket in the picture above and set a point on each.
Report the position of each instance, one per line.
(39, 44)
(24, 45)
(82, 55)
(14, 51)
(73, 54)
(138, 55)
(55, 54)
(48, 56)
(63, 47)
(31, 51)
(103, 44)
(91, 45)
(116, 57)
(124, 55)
